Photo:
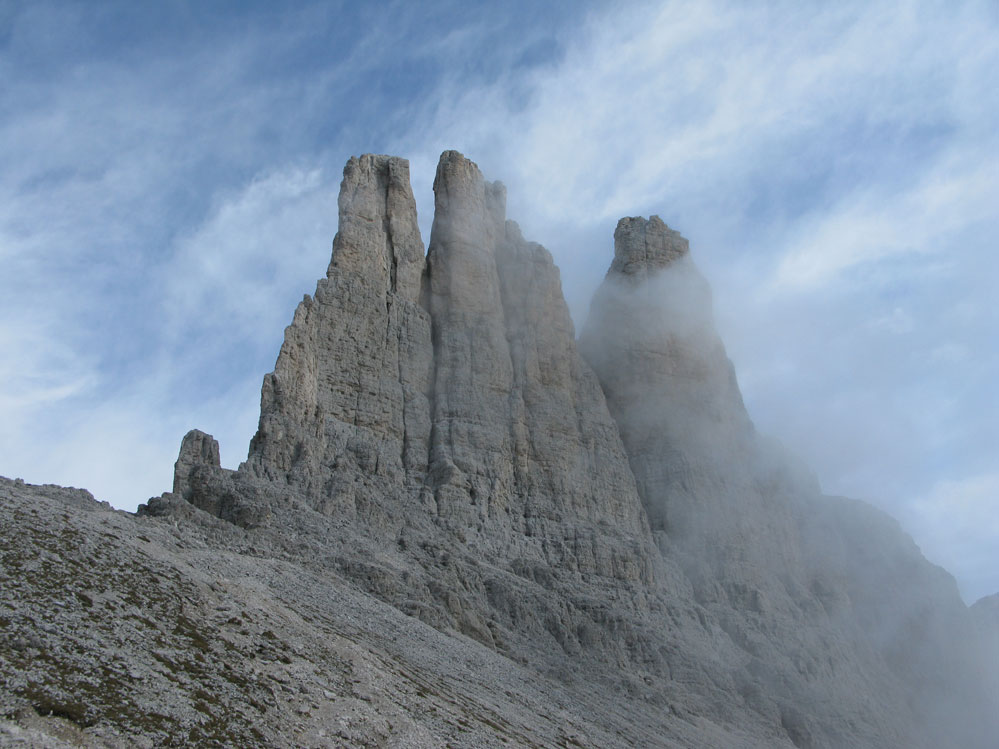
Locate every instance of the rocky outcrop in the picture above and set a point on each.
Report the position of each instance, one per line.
(197, 449)
(457, 525)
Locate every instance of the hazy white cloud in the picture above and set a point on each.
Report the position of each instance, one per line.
(122, 447)
(876, 224)
(957, 523)
(45, 373)
(240, 270)
(655, 99)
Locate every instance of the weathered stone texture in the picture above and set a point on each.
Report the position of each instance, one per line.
(197, 449)
(344, 417)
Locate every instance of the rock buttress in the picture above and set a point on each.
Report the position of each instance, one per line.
(344, 417)
(524, 453)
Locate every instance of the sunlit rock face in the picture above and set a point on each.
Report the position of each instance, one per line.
(469, 529)
(345, 415)
(449, 388)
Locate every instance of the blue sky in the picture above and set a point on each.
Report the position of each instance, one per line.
(168, 180)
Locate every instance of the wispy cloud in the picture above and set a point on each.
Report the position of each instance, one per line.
(240, 271)
(876, 224)
(168, 179)
(46, 373)
(654, 100)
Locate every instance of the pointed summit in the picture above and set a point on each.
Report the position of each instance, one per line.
(379, 238)
(467, 209)
(651, 339)
(644, 246)
(343, 417)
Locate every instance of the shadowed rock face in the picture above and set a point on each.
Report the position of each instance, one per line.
(601, 520)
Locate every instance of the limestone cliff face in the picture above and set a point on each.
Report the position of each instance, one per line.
(523, 450)
(344, 417)
(448, 388)
(602, 513)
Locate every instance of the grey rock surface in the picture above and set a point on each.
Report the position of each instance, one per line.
(196, 450)
(455, 526)
(345, 414)
(124, 631)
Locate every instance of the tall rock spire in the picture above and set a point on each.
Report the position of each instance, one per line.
(650, 338)
(344, 417)
(378, 238)
(471, 444)
(523, 450)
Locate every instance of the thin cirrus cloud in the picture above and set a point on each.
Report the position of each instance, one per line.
(256, 243)
(872, 226)
(655, 100)
(166, 198)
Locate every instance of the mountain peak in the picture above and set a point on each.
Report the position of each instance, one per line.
(468, 210)
(378, 239)
(643, 246)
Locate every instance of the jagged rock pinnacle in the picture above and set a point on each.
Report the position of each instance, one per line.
(378, 237)
(468, 211)
(644, 246)
(196, 449)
